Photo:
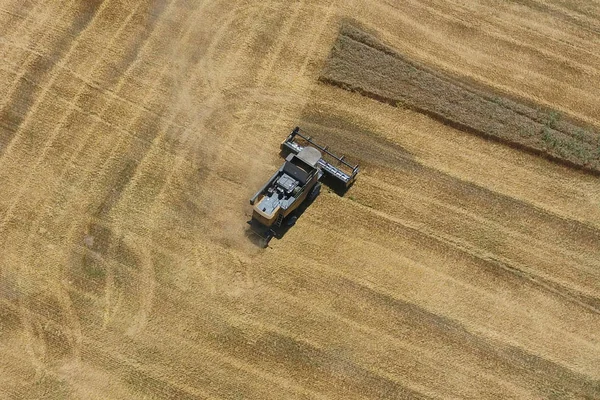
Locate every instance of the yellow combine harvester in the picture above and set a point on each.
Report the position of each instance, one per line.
(295, 184)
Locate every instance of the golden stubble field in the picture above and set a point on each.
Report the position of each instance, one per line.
(132, 134)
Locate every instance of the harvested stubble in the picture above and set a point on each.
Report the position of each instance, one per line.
(359, 62)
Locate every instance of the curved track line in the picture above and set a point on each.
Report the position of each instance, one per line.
(233, 56)
(146, 284)
(109, 290)
(64, 297)
(75, 332)
(31, 341)
(206, 63)
(73, 329)
(283, 35)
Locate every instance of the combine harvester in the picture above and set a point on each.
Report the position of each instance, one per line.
(296, 184)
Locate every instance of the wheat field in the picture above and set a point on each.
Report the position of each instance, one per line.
(132, 134)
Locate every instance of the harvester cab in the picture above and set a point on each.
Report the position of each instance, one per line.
(296, 184)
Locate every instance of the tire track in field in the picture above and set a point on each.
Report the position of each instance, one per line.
(498, 39)
(48, 66)
(313, 40)
(65, 300)
(407, 172)
(147, 286)
(112, 198)
(17, 29)
(48, 143)
(138, 175)
(468, 198)
(550, 62)
(187, 140)
(69, 324)
(131, 166)
(216, 81)
(22, 85)
(220, 348)
(479, 204)
(547, 63)
(316, 354)
(102, 253)
(190, 143)
(169, 296)
(373, 333)
(248, 353)
(219, 82)
(522, 271)
(142, 376)
(33, 345)
(307, 367)
(255, 318)
(296, 102)
(408, 322)
(562, 13)
(431, 286)
(228, 359)
(494, 261)
(156, 8)
(90, 83)
(74, 325)
(122, 365)
(84, 142)
(100, 221)
(26, 97)
(109, 294)
(265, 70)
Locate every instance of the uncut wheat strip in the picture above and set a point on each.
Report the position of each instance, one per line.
(392, 79)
